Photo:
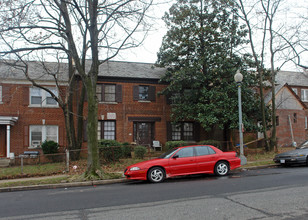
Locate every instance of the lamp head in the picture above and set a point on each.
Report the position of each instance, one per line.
(238, 77)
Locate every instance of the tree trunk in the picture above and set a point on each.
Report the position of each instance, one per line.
(93, 168)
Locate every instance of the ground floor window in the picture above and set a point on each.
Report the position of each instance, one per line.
(41, 133)
(182, 131)
(106, 130)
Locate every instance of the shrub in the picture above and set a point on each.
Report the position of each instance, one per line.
(140, 152)
(214, 143)
(126, 151)
(108, 143)
(110, 150)
(172, 144)
(50, 147)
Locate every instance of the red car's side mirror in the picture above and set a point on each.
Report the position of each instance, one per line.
(175, 156)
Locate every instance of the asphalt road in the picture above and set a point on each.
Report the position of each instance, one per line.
(272, 193)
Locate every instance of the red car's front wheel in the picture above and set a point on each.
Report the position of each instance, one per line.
(156, 175)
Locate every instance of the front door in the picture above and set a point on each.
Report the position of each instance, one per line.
(143, 133)
(183, 162)
(2, 141)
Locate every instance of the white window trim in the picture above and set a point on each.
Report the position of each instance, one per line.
(44, 133)
(306, 122)
(44, 95)
(304, 95)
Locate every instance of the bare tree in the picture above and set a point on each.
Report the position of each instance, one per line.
(270, 40)
(85, 32)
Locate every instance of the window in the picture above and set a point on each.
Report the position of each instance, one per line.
(107, 130)
(109, 93)
(277, 120)
(306, 122)
(204, 150)
(143, 93)
(186, 152)
(295, 90)
(295, 118)
(41, 97)
(40, 133)
(176, 132)
(182, 131)
(304, 95)
(188, 129)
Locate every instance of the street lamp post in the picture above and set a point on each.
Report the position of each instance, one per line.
(238, 77)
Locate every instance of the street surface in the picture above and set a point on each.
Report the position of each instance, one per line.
(272, 193)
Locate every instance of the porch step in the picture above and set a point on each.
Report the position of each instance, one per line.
(4, 162)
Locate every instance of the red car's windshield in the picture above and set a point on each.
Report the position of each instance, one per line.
(168, 154)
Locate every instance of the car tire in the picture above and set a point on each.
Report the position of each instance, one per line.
(307, 161)
(156, 175)
(221, 168)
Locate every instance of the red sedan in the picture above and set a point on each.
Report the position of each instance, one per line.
(184, 161)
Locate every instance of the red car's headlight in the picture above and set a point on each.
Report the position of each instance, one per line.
(134, 168)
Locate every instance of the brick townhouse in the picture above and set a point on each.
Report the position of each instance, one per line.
(291, 107)
(129, 110)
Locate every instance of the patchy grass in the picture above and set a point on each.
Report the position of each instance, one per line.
(54, 180)
(32, 170)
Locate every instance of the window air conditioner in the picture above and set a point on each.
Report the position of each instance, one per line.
(35, 143)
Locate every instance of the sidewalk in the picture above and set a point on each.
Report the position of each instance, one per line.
(85, 183)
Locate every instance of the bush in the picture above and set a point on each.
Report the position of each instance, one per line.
(140, 152)
(110, 150)
(108, 143)
(50, 147)
(172, 144)
(214, 143)
(126, 151)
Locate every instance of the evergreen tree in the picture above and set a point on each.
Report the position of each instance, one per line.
(200, 51)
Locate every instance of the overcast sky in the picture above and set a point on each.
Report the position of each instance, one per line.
(147, 53)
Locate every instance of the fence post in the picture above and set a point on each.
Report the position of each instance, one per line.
(22, 165)
(67, 160)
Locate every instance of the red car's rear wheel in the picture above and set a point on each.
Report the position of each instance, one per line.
(221, 168)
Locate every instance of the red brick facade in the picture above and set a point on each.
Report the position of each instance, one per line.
(16, 104)
(288, 118)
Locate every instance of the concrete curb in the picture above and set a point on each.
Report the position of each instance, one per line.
(99, 182)
(62, 185)
(259, 167)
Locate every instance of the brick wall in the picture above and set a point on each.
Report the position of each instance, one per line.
(16, 104)
(284, 136)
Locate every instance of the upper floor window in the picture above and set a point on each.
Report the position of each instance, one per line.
(304, 95)
(109, 93)
(41, 133)
(144, 93)
(41, 97)
(277, 120)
